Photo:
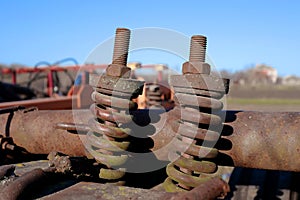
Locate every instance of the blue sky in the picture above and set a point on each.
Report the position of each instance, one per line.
(240, 33)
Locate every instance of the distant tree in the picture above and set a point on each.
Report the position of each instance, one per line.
(16, 65)
(226, 74)
(3, 65)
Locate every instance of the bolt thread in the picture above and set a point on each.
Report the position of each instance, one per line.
(121, 46)
(197, 48)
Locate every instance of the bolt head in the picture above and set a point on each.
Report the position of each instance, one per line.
(195, 68)
(118, 71)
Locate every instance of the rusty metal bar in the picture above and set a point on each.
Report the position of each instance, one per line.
(16, 189)
(249, 139)
(83, 190)
(36, 131)
(264, 140)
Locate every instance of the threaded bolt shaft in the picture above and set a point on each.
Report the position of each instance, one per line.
(197, 48)
(121, 46)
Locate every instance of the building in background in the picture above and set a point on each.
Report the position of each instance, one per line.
(291, 80)
(265, 74)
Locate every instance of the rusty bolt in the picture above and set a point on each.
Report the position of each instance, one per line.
(196, 63)
(118, 71)
(195, 68)
(197, 48)
(6, 143)
(118, 67)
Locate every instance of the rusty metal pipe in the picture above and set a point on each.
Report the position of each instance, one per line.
(36, 131)
(16, 189)
(87, 190)
(264, 140)
(249, 139)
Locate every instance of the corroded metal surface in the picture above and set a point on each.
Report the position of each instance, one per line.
(118, 67)
(154, 95)
(83, 190)
(196, 63)
(264, 140)
(198, 48)
(88, 190)
(19, 186)
(36, 131)
(199, 81)
(271, 138)
(192, 160)
(121, 46)
(117, 84)
(109, 137)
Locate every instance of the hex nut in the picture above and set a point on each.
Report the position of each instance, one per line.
(118, 71)
(195, 68)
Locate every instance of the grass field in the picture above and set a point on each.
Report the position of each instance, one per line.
(270, 101)
(256, 104)
(277, 98)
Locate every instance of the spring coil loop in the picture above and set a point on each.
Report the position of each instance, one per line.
(197, 113)
(154, 95)
(109, 139)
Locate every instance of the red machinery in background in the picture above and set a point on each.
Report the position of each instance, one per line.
(51, 98)
(77, 94)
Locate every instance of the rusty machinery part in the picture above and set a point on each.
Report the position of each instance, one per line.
(269, 138)
(121, 46)
(154, 95)
(109, 139)
(197, 112)
(248, 132)
(22, 184)
(198, 48)
(76, 128)
(36, 131)
(11, 109)
(118, 67)
(34, 180)
(211, 190)
(113, 94)
(6, 142)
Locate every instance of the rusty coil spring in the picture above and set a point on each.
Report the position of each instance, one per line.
(108, 140)
(197, 124)
(153, 94)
